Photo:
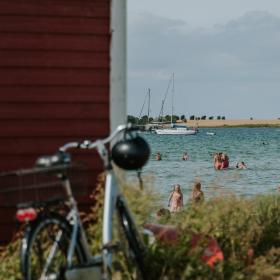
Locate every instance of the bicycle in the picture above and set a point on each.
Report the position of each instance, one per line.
(55, 246)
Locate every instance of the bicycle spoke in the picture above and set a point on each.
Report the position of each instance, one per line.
(47, 252)
(51, 254)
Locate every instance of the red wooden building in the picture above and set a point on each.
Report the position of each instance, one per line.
(62, 78)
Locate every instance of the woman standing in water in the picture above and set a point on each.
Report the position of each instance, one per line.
(225, 160)
(217, 161)
(197, 194)
(175, 201)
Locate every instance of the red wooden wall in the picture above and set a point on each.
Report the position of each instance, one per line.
(54, 81)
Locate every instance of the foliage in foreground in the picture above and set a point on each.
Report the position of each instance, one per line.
(248, 231)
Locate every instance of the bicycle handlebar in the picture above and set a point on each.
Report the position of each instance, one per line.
(88, 144)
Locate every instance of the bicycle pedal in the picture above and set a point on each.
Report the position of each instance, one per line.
(112, 247)
(84, 273)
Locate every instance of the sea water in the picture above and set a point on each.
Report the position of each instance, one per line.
(259, 148)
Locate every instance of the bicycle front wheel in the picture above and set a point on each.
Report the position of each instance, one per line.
(132, 236)
(44, 249)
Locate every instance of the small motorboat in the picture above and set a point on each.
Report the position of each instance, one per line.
(211, 133)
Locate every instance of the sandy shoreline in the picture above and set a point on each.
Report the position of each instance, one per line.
(239, 122)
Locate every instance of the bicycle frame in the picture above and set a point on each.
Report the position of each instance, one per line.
(110, 199)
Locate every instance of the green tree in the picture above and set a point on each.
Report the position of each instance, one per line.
(192, 117)
(132, 119)
(175, 118)
(167, 118)
(143, 120)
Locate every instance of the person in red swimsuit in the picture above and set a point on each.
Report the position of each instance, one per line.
(217, 161)
(225, 161)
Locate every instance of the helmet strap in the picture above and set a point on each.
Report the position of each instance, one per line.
(139, 172)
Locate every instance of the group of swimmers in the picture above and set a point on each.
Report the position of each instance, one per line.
(220, 160)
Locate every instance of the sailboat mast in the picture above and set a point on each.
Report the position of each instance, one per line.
(147, 94)
(149, 103)
(163, 101)
(172, 109)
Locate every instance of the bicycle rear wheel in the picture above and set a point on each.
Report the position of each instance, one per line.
(44, 249)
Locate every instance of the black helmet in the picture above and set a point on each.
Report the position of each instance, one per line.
(131, 154)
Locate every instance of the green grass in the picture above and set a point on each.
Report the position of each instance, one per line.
(247, 230)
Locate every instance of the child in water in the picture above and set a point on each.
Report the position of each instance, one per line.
(197, 194)
(175, 201)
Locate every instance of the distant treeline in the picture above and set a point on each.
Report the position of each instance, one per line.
(145, 119)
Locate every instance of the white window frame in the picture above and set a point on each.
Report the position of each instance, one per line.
(118, 64)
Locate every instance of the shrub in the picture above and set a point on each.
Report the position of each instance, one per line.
(247, 230)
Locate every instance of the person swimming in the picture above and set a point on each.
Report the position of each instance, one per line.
(185, 156)
(158, 156)
(241, 165)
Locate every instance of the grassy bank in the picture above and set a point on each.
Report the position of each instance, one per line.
(247, 230)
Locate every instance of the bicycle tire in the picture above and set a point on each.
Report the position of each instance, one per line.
(39, 239)
(131, 234)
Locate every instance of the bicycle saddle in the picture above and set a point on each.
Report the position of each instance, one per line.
(54, 160)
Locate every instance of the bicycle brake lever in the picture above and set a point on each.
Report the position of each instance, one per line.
(85, 144)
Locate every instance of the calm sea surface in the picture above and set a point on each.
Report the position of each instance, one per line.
(259, 148)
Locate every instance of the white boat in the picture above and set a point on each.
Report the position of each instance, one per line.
(211, 133)
(174, 129)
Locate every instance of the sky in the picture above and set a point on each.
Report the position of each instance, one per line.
(225, 56)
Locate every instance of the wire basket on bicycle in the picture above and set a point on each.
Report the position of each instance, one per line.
(40, 184)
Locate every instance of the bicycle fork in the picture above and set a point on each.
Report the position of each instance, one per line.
(111, 192)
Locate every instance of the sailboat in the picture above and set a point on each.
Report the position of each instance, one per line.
(175, 129)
